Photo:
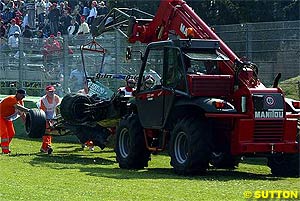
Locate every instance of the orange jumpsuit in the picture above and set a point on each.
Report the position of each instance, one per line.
(7, 114)
(48, 105)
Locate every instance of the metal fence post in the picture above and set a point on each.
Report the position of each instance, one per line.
(21, 62)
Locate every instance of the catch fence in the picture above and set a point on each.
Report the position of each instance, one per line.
(273, 46)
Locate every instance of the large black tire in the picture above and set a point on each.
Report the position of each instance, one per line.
(35, 123)
(190, 146)
(224, 161)
(72, 108)
(130, 147)
(286, 165)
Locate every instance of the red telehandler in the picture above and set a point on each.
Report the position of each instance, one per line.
(207, 106)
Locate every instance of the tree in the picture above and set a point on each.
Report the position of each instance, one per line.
(218, 12)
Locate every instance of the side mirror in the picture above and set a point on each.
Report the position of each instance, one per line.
(128, 53)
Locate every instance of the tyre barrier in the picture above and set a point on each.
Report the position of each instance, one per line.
(35, 123)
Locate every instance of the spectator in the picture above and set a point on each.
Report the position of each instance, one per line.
(3, 44)
(46, 28)
(40, 34)
(73, 28)
(27, 33)
(7, 15)
(48, 5)
(93, 13)
(61, 8)
(85, 11)
(13, 41)
(65, 22)
(84, 27)
(13, 28)
(25, 20)
(102, 9)
(9, 113)
(2, 6)
(19, 5)
(76, 14)
(41, 11)
(18, 18)
(52, 46)
(2, 29)
(53, 17)
(67, 7)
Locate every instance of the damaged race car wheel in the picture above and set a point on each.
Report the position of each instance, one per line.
(35, 123)
(73, 109)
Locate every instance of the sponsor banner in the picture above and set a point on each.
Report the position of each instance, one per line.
(115, 76)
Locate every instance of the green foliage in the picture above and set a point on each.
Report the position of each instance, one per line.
(291, 87)
(217, 12)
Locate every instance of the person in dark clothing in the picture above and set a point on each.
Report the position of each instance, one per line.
(7, 16)
(53, 17)
(102, 9)
(40, 34)
(73, 28)
(65, 21)
(2, 29)
(46, 29)
(27, 33)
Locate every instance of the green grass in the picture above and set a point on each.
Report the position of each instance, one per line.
(291, 87)
(72, 174)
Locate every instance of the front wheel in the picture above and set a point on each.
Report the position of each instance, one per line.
(286, 165)
(130, 148)
(190, 146)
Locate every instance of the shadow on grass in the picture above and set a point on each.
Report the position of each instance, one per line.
(95, 166)
(61, 160)
(168, 173)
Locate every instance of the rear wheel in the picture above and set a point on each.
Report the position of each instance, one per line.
(72, 108)
(35, 123)
(190, 146)
(130, 148)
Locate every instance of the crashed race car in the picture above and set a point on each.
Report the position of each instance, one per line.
(91, 114)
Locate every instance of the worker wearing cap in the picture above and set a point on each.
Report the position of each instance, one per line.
(9, 113)
(48, 104)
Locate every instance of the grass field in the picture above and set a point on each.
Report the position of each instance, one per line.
(72, 174)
